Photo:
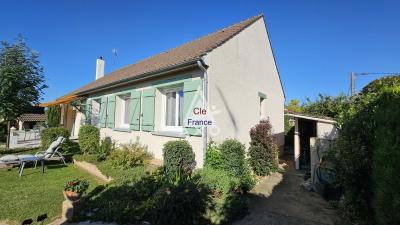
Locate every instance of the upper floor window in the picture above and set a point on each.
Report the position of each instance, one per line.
(172, 117)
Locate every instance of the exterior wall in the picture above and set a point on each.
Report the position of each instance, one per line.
(238, 70)
(326, 130)
(154, 141)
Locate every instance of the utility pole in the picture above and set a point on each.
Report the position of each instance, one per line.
(352, 80)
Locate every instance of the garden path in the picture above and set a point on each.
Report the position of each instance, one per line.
(279, 200)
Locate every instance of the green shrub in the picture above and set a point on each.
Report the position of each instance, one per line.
(106, 147)
(219, 181)
(386, 158)
(89, 139)
(263, 151)
(179, 159)
(47, 136)
(182, 204)
(234, 162)
(129, 155)
(53, 114)
(233, 155)
(213, 157)
(368, 145)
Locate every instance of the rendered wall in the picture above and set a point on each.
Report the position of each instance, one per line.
(238, 70)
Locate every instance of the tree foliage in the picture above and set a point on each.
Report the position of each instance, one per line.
(53, 114)
(21, 79)
(328, 106)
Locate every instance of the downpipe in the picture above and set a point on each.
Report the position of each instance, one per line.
(203, 67)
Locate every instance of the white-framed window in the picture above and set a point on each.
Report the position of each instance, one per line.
(125, 111)
(96, 112)
(172, 109)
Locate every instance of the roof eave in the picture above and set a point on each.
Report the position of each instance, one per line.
(141, 77)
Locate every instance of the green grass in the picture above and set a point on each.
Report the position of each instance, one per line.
(35, 193)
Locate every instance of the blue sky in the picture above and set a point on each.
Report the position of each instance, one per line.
(316, 43)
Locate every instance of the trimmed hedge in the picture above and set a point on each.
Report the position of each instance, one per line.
(89, 139)
(179, 159)
(233, 155)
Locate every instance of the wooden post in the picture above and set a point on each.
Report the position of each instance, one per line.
(8, 135)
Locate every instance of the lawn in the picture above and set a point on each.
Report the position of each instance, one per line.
(35, 193)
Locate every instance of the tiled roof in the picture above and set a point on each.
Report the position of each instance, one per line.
(32, 117)
(188, 52)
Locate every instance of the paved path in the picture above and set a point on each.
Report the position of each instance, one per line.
(279, 200)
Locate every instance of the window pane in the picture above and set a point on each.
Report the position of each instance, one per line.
(127, 110)
(180, 115)
(170, 108)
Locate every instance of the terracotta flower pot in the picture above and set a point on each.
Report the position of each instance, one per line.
(72, 196)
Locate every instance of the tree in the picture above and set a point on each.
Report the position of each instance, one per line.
(326, 105)
(21, 80)
(294, 106)
(53, 115)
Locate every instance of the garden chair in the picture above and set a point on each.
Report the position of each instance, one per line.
(51, 153)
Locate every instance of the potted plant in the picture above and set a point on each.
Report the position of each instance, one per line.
(74, 188)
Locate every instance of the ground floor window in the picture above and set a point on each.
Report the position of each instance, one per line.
(172, 113)
(125, 111)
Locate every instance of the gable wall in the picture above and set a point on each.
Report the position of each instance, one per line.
(238, 70)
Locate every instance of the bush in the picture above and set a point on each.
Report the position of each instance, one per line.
(234, 162)
(89, 139)
(106, 147)
(179, 159)
(53, 114)
(233, 156)
(368, 145)
(185, 203)
(219, 181)
(263, 151)
(47, 136)
(213, 157)
(129, 155)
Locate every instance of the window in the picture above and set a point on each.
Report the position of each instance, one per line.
(125, 111)
(172, 110)
(96, 113)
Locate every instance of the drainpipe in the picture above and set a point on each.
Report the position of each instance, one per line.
(203, 67)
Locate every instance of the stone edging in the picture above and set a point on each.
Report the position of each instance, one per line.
(92, 169)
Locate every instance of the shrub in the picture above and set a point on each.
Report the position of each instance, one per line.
(234, 162)
(233, 156)
(213, 157)
(185, 203)
(129, 155)
(179, 159)
(368, 145)
(106, 147)
(263, 151)
(219, 181)
(47, 136)
(53, 114)
(89, 139)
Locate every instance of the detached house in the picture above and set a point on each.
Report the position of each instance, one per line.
(215, 87)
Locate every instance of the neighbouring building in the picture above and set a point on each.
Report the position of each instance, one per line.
(227, 80)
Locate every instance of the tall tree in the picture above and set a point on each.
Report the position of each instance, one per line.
(21, 80)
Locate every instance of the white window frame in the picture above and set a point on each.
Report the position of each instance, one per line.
(164, 127)
(123, 99)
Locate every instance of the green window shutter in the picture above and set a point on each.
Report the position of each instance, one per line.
(148, 109)
(88, 111)
(192, 95)
(135, 110)
(103, 112)
(111, 111)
